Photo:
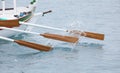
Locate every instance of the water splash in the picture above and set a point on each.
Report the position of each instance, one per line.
(76, 25)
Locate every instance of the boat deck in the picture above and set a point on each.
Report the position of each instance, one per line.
(10, 12)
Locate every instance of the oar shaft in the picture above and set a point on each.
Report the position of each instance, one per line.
(36, 14)
(47, 35)
(12, 29)
(42, 26)
(29, 44)
(7, 39)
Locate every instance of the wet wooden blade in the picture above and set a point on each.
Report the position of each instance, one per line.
(33, 45)
(60, 37)
(88, 34)
(94, 35)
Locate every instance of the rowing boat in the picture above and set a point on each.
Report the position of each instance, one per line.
(12, 20)
(8, 15)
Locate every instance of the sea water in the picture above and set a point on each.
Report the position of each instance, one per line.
(88, 56)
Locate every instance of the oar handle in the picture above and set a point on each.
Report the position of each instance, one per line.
(46, 12)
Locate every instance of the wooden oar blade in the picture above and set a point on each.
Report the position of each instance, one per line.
(33, 45)
(88, 34)
(9, 23)
(94, 35)
(60, 37)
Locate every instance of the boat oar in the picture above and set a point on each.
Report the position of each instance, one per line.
(70, 39)
(89, 34)
(43, 13)
(86, 34)
(61, 37)
(29, 44)
(94, 35)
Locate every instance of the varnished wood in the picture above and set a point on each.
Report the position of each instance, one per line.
(60, 37)
(94, 35)
(9, 23)
(33, 45)
(88, 34)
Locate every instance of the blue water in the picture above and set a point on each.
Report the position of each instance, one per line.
(88, 56)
